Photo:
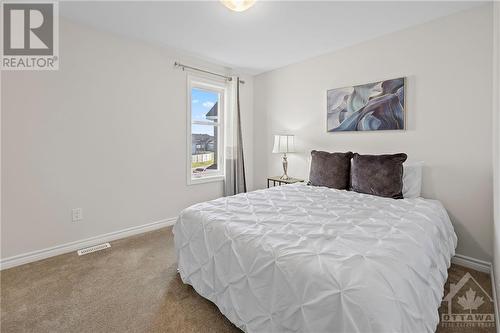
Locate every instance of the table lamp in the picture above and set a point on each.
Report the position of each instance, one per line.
(284, 144)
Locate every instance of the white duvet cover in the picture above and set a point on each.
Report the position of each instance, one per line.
(299, 258)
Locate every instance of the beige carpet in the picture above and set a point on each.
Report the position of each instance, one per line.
(132, 287)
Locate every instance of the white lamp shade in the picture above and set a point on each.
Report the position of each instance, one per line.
(284, 144)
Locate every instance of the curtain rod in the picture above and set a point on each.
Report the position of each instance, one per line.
(183, 67)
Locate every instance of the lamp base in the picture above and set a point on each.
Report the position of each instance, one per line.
(285, 168)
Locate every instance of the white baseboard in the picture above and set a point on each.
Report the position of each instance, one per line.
(478, 265)
(73, 246)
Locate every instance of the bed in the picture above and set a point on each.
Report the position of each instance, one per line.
(300, 258)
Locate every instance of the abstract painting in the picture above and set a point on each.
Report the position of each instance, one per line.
(368, 107)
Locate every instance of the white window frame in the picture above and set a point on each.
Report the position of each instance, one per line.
(219, 86)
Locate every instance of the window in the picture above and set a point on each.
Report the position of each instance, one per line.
(205, 130)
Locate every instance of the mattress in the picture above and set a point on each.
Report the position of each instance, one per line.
(300, 258)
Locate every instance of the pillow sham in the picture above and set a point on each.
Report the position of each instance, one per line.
(380, 175)
(330, 169)
(412, 179)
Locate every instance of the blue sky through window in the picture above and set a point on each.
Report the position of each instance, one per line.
(201, 102)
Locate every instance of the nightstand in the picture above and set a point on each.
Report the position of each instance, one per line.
(277, 180)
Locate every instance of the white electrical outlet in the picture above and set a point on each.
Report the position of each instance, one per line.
(76, 214)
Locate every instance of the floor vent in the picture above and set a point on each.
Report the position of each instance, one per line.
(94, 248)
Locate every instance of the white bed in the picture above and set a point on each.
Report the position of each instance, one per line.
(299, 258)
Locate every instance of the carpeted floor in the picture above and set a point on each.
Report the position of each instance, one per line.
(132, 287)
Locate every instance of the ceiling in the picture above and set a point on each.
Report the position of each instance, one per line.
(269, 35)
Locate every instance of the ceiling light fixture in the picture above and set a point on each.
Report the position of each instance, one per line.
(238, 5)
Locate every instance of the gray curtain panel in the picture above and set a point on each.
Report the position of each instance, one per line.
(235, 181)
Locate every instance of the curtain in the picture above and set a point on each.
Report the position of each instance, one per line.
(235, 181)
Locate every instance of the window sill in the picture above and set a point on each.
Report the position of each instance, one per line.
(206, 179)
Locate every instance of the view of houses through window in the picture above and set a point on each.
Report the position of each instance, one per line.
(205, 130)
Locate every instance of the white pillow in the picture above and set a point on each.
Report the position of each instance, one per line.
(412, 179)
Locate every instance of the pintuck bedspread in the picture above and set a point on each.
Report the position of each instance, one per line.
(300, 258)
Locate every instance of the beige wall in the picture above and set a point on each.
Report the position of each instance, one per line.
(105, 133)
(448, 64)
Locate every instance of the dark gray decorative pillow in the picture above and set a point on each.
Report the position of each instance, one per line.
(330, 169)
(380, 175)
